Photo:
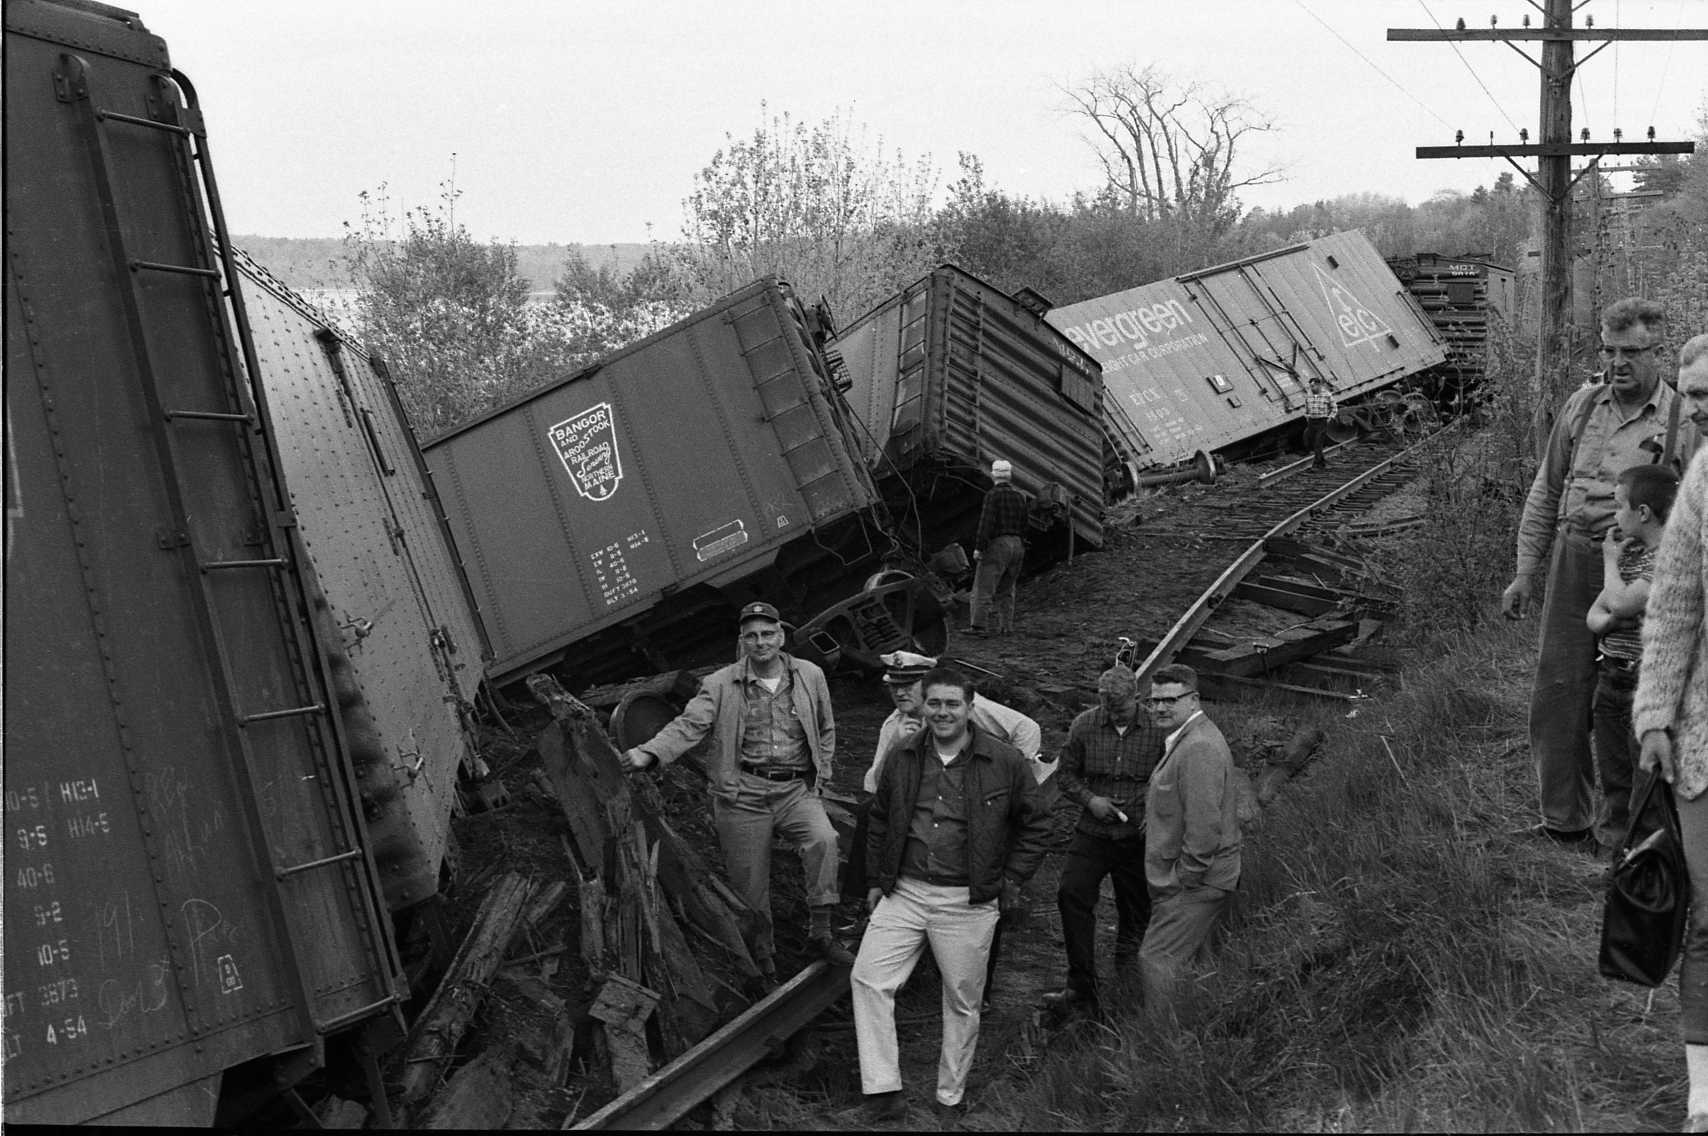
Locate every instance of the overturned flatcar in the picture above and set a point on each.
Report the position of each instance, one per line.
(952, 373)
(614, 521)
(1213, 358)
(190, 884)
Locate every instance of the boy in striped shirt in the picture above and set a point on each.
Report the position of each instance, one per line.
(1642, 497)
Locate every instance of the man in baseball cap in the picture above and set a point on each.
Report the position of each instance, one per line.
(773, 739)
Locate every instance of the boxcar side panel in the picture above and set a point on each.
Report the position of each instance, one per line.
(688, 459)
(400, 606)
(166, 777)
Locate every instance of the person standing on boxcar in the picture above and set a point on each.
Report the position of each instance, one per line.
(1670, 713)
(956, 830)
(1628, 419)
(1192, 834)
(1320, 409)
(773, 741)
(1106, 765)
(1000, 549)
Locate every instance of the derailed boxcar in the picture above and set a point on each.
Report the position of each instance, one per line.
(1467, 298)
(614, 522)
(188, 884)
(952, 373)
(399, 613)
(1215, 357)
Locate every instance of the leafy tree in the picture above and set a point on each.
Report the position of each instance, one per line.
(450, 316)
(814, 204)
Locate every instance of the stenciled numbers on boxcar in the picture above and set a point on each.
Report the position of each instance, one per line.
(611, 571)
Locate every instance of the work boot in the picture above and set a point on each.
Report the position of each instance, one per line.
(818, 934)
(884, 1108)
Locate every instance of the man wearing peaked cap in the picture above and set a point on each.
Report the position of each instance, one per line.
(903, 677)
(1000, 549)
(773, 739)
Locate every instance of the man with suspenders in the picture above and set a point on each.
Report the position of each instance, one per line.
(1629, 418)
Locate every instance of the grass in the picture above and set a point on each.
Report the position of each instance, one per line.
(1402, 960)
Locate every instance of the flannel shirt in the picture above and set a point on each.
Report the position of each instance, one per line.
(1099, 761)
(1004, 514)
(1319, 404)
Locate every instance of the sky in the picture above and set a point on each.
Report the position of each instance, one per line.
(576, 122)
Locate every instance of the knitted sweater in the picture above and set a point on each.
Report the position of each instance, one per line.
(1672, 685)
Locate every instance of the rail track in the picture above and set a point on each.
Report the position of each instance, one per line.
(1270, 527)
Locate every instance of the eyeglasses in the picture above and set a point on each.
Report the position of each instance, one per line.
(1166, 701)
(1629, 352)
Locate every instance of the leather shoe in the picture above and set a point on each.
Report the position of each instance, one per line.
(833, 951)
(975, 631)
(884, 1108)
(1062, 999)
(1582, 838)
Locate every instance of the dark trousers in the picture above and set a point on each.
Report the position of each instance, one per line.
(1565, 686)
(1615, 749)
(1316, 433)
(1089, 859)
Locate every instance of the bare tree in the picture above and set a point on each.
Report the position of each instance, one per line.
(1169, 150)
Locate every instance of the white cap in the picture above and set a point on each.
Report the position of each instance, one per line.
(1002, 469)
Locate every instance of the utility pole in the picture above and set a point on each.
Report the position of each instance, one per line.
(1553, 153)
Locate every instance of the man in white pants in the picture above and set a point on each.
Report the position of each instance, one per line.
(955, 829)
(902, 675)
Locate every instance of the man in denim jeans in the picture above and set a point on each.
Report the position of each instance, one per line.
(1629, 418)
(774, 737)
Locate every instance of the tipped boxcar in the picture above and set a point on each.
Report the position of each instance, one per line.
(614, 521)
(1212, 358)
(189, 881)
(1466, 297)
(952, 373)
(399, 616)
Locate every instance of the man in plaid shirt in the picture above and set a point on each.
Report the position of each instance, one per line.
(1319, 410)
(1106, 765)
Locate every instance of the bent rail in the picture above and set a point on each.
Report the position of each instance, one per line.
(720, 1058)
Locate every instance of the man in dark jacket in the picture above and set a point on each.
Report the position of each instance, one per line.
(956, 828)
(1000, 549)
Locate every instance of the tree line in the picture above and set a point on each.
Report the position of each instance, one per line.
(842, 218)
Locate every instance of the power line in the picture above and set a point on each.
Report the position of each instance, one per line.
(1661, 85)
(1468, 67)
(1402, 87)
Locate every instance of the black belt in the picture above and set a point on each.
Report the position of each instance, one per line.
(775, 772)
(1617, 665)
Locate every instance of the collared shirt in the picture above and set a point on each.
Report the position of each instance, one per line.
(1574, 483)
(1004, 514)
(1319, 404)
(993, 718)
(1636, 562)
(771, 734)
(1168, 742)
(1098, 760)
(936, 848)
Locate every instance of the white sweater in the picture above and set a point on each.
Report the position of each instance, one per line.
(1672, 685)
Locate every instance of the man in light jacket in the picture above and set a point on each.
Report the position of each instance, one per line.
(1192, 833)
(773, 740)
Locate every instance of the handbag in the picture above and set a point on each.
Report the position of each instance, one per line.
(1648, 893)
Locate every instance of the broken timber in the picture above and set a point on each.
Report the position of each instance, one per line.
(433, 1040)
(643, 894)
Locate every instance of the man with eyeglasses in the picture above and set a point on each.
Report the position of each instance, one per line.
(1693, 381)
(1629, 418)
(1192, 834)
(773, 740)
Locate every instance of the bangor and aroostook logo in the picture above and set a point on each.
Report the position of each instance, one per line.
(587, 446)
